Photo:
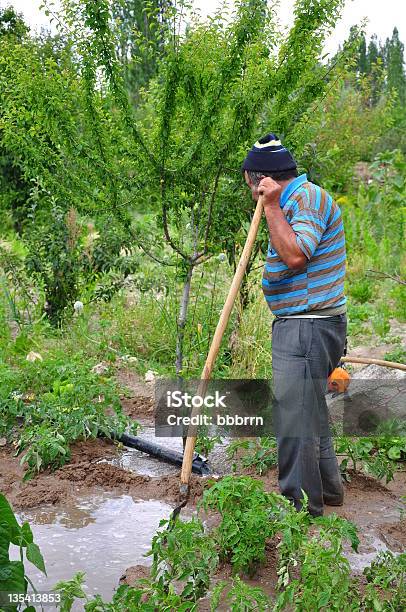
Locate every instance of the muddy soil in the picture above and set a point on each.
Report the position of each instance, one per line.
(88, 472)
(137, 398)
(100, 468)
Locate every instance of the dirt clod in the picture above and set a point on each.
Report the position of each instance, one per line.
(395, 534)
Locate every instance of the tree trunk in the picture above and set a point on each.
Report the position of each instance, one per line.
(182, 320)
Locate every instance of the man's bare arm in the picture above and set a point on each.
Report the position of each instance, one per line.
(283, 238)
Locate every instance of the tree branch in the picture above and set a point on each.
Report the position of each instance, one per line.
(378, 274)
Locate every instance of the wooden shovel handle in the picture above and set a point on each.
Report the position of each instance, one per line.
(217, 338)
(380, 362)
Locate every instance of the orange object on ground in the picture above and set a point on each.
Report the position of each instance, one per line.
(338, 380)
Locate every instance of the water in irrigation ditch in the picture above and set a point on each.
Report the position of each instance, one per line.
(101, 535)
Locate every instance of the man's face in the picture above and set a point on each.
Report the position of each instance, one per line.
(252, 186)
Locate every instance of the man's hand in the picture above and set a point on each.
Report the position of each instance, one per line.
(271, 192)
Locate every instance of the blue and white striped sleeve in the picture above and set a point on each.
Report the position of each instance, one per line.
(309, 227)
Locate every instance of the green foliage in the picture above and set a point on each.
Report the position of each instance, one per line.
(313, 557)
(205, 443)
(13, 578)
(300, 78)
(260, 453)
(70, 590)
(141, 28)
(398, 293)
(361, 291)
(146, 598)
(202, 111)
(378, 220)
(246, 522)
(184, 553)
(398, 355)
(241, 597)
(343, 130)
(251, 517)
(386, 583)
(61, 402)
(376, 455)
(12, 24)
(394, 58)
(62, 148)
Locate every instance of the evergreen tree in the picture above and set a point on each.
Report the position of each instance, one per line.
(373, 53)
(375, 66)
(394, 56)
(362, 55)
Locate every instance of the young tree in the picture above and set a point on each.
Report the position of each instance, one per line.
(65, 144)
(202, 111)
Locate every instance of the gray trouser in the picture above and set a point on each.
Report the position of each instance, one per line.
(304, 353)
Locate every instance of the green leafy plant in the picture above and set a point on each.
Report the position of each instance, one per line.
(305, 578)
(386, 583)
(398, 355)
(70, 590)
(261, 453)
(377, 455)
(246, 511)
(361, 290)
(185, 554)
(206, 443)
(13, 578)
(147, 597)
(240, 596)
(50, 404)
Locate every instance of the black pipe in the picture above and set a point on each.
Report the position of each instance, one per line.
(199, 465)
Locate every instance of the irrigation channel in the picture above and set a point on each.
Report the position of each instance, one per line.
(98, 513)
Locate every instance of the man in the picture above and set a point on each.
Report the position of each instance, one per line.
(303, 284)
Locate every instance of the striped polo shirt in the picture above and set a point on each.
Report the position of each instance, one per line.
(317, 222)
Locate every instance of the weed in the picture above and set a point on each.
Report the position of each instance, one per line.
(399, 295)
(380, 324)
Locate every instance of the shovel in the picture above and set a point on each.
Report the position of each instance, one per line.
(212, 355)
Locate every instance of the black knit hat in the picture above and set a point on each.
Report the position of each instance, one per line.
(269, 155)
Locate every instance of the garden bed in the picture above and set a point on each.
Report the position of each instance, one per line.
(96, 471)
